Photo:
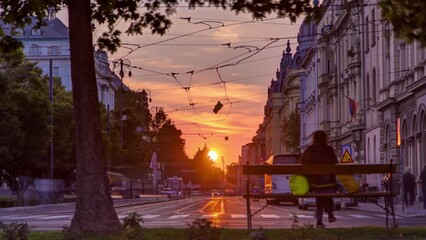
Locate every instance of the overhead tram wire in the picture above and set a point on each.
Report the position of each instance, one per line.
(188, 34)
(187, 89)
(259, 22)
(226, 93)
(218, 64)
(138, 46)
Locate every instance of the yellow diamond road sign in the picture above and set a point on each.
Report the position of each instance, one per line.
(347, 158)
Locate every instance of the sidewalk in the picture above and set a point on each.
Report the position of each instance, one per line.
(403, 211)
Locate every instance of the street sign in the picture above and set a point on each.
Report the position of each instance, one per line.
(347, 158)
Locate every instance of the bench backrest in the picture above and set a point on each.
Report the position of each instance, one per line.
(314, 169)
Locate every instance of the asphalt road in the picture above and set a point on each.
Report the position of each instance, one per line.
(227, 212)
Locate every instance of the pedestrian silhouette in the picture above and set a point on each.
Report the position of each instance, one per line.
(409, 188)
(319, 152)
(423, 180)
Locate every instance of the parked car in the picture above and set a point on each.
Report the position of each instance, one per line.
(167, 191)
(230, 192)
(305, 203)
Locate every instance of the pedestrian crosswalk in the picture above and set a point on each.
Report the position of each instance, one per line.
(193, 216)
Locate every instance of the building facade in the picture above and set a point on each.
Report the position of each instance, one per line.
(359, 83)
(49, 47)
(45, 44)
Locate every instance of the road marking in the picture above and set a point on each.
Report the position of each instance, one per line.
(238, 215)
(301, 216)
(360, 216)
(28, 217)
(209, 216)
(269, 216)
(55, 217)
(149, 216)
(179, 216)
(384, 216)
(222, 207)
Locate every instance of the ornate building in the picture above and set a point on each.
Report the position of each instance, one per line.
(359, 83)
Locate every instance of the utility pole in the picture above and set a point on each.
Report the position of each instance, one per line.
(223, 169)
(121, 103)
(123, 63)
(51, 124)
(154, 159)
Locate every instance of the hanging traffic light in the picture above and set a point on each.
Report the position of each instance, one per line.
(217, 107)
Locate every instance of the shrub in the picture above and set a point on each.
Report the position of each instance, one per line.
(14, 231)
(132, 228)
(7, 202)
(202, 229)
(259, 234)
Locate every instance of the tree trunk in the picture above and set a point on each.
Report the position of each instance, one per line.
(20, 198)
(94, 207)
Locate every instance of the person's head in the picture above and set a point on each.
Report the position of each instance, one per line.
(320, 137)
(408, 170)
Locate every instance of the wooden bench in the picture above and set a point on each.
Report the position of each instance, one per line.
(318, 169)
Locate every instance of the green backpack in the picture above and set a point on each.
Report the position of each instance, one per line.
(299, 185)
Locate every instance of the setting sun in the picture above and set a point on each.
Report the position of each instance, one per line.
(212, 155)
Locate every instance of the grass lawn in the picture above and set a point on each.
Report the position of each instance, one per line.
(273, 234)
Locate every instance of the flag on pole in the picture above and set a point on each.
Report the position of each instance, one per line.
(352, 106)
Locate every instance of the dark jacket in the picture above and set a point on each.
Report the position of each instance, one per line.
(423, 179)
(409, 181)
(320, 154)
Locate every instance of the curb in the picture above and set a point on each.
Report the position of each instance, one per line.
(415, 211)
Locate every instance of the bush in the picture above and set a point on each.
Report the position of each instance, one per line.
(202, 229)
(132, 228)
(259, 235)
(7, 202)
(14, 231)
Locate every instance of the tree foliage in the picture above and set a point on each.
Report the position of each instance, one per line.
(291, 132)
(169, 144)
(232, 173)
(407, 18)
(207, 174)
(24, 121)
(63, 132)
(203, 165)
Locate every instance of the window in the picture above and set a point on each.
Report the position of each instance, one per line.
(374, 149)
(374, 90)
(373, 28)
(367, 35)
(369, 100)
(34, 50)
(18, 32)
(54, 50)
(55, 71)
(36, 32)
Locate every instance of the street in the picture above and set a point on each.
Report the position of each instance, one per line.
(226, 212)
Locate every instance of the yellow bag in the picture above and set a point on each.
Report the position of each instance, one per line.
(348, 182)
(298, 184)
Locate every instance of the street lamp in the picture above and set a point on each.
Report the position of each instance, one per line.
(123, 63)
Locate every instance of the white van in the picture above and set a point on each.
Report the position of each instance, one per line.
(279, 183)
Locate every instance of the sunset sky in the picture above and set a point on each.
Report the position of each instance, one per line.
(196, 54)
